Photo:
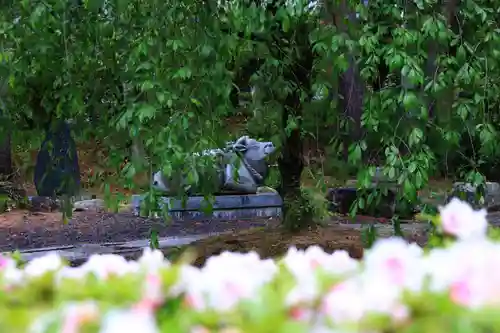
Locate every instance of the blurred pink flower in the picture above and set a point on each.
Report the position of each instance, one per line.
(399, 263)
(75, 315)
(225, 280)
(460, 220)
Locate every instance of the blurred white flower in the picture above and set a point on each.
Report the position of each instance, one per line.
(225, 280)
(77, 314)
(11, 276)
(353, 299)
(384, 298)
(301, 262)
(6, 262)
(344, 302)
(459, 219)
(153, 260)
(304, 264)
(123, 321)
(152, 295)
(39, 266)
(469, 271)
(73, 273)
(106, 265)
(398, 263)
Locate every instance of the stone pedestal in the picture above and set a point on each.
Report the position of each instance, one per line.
(224, 207)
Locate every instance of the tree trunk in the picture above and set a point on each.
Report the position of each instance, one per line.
(351, 88)
(6, 168)
(296, 212)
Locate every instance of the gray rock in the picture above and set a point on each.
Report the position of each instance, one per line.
(43, 204)
(89, 205)
(48, 204)
(487, 197)
(379, 178)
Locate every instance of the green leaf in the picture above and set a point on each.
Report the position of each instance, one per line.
(154, 242)
(183, 73)
(410, 100)
(355, 153)
(285, 22)
(146, 112)
(392, 173)
(416, 136)
(361, 203)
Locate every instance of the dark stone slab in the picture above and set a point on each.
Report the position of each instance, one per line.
(341, 200)
(79, 254)
(225, 207)
(43, 204)
(57, 171)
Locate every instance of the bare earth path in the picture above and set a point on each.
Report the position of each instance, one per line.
(25, 230)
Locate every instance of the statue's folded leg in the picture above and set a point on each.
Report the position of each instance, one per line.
(244, 184)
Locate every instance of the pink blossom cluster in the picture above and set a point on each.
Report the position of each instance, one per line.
(330, 292)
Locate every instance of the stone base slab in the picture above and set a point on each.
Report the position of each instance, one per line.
(224, 207)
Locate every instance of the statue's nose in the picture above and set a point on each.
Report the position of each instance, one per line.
(269, 149)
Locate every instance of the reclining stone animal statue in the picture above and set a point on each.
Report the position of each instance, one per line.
(241, 167)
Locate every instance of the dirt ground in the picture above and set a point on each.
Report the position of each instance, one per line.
(22, 230)
(272, 242)
(26, 230)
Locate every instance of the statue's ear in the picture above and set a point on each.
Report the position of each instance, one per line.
(243, 140)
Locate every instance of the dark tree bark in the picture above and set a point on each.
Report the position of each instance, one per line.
(6, 167)
(241, 81)
(296, 212)
(351, 88)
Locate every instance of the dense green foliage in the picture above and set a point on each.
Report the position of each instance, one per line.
(414, 84)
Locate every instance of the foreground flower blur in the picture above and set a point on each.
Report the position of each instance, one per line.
(238, 292)
(461, 220)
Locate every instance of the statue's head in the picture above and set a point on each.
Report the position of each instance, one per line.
(264, 148)
(159, 182)
(253, 149)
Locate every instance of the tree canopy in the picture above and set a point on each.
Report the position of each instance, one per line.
(411, 86)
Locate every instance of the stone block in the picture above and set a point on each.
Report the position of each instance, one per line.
(224, 207)
(488, 198)
(50, 204)
(378, 179)
(341, 200)
(57, 171)
(43, 204)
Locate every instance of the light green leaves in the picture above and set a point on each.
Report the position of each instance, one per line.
(146, 112)
(410, 100)
(183, 73)
(416, 136)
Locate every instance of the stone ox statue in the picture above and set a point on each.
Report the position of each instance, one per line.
(241, 167)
